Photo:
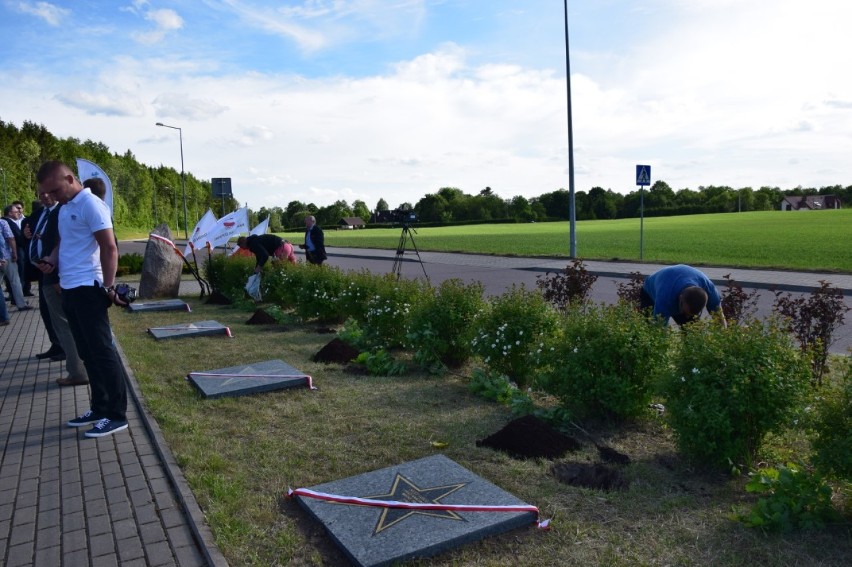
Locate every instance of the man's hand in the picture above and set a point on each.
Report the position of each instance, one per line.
(113, 296)
(45, 267)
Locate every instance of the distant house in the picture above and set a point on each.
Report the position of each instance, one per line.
(810, 203)
(352, 223)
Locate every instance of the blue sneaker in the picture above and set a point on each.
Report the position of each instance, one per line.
(87, 418)
(106, 427)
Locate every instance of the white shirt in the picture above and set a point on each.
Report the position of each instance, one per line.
(79, 253)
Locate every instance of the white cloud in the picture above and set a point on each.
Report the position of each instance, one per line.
(50, 13)
(112, 104)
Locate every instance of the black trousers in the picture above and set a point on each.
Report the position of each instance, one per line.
(86, 309)
(45, 317)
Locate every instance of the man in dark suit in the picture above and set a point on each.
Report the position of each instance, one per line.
(40, 229)
(314, 242)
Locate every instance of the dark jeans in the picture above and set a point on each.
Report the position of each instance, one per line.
(86, 309)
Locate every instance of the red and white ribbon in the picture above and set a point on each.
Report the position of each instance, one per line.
(308, 493)
(167, 241)
(215, 375)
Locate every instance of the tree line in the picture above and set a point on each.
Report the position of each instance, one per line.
(145, 196)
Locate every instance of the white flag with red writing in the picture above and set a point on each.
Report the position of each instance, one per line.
(229, 226)
(201, 232)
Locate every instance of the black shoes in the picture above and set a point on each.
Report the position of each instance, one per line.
(51, 353)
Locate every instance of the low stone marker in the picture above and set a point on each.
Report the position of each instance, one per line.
(247, 379)
(416, 509)
(183, 330)
(164, 305)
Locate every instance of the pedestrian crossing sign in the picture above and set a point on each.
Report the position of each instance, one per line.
(643, 175)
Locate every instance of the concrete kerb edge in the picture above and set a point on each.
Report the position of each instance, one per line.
(718, 282)
(200, 530)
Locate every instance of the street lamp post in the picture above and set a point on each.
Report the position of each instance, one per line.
(182, 177)
(572, 213)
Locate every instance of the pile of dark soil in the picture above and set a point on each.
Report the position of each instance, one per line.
(261, 317)
(336, 352)
(216, 298)
(528, 438)
(589, 475)
(325, 330)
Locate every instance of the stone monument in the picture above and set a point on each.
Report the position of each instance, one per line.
(161, 266)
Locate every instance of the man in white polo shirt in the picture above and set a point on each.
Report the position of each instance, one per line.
(87, 257)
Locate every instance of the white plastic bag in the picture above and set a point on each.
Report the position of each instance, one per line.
(253, 286)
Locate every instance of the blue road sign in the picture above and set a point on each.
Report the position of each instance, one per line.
(643, 175)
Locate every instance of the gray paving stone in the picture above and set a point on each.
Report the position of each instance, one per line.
(98, 525)
(109, 560)
(21, 533)
(79, 558)
(49, 537)
(102, 544)
(25, 515)
(48, 556)
(20, 555)
(189, 556)
(49, 518)
(130, 548)
(179, 536)
(158, 553)
(72, 540)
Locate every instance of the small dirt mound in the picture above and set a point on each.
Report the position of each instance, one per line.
(217, 298)
(610, 455)
(529, 438)
(589, 475)
(261, 317)
(336, 352)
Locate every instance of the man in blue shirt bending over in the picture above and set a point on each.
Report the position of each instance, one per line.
(680, 292)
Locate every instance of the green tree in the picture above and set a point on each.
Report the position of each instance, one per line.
(382, 205)
(359, 209)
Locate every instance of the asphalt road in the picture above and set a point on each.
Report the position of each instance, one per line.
(499, 273)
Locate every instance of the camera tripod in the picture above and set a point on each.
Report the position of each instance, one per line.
(400, 251)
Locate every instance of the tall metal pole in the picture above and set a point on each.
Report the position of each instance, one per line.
(182, 178)
(571, 204)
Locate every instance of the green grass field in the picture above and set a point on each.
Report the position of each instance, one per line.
(817, 241)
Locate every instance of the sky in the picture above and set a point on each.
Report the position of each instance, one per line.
(323, 100)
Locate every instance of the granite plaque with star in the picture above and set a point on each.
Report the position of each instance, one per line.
(383, 535)
(247, 379)
(183, 330)
(163, 305)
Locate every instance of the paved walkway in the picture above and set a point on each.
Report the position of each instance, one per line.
(66, 500)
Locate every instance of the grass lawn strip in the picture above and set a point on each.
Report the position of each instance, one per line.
(240, 455)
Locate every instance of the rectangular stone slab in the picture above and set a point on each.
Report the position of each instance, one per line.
(197, 329)
(249, 379)
(163, 305)
(372, 536)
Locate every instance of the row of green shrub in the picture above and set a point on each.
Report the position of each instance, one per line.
(724, 388)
